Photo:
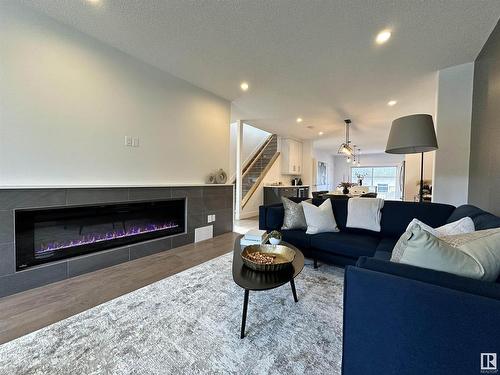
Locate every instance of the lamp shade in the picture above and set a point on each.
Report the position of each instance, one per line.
(412, 134)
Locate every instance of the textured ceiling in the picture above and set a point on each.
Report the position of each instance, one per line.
(316, 60)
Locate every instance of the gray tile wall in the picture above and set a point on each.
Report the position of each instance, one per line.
(201, 201)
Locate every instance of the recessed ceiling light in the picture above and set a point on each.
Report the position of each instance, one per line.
(94, 2)
(244, 86)
(392, 102)
(299, 119)
(320, 133)
(383, 36)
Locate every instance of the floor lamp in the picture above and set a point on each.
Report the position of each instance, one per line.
(413, 134)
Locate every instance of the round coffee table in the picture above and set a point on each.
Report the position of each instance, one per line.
(249, 279)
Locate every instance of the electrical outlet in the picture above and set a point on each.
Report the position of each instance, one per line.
(135, 142)
(128, 141)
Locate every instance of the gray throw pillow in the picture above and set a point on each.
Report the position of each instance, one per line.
(475, 255)
(294, 215)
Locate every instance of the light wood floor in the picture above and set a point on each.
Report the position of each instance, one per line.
(28, 311)
(244, 225)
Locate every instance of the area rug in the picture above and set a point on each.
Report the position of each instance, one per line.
(189, 323)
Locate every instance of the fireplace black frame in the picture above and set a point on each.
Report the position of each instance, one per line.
(24, 220)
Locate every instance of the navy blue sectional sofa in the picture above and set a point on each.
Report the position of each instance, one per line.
(346, 246)
(400, 319)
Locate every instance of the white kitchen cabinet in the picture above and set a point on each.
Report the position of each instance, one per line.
(291, 154)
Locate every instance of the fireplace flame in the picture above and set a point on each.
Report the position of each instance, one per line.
(100, 237)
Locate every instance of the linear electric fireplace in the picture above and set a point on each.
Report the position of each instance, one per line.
(48, 234)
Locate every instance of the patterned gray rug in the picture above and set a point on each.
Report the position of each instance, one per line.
(189, 324)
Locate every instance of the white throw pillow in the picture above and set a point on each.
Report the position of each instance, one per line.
(462, 226)
(320, 219)
(364, 213)
(476, 255)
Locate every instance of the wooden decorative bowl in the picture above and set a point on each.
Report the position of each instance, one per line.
(282, 256)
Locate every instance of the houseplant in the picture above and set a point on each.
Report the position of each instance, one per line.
(274, 237)
(360, 177)
(345, 187)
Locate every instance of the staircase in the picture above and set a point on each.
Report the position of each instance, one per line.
(257, 167)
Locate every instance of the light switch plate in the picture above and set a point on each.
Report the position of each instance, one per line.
(128, 140)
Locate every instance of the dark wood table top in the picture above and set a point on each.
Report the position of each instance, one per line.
(255, 280)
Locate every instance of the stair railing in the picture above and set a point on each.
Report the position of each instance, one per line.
(257, 155)
(256, 184)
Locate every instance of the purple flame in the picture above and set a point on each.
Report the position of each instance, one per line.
(100, 237)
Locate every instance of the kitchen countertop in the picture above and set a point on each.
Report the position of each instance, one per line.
(287, 186)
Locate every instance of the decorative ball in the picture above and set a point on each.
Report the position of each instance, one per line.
(220, 177)
(211, 178)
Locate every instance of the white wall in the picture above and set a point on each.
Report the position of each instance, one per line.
(308, 165)
(412, 173)
(328, 158)
(453, 130)
(341, 170)
(67, 101)
(253, 138)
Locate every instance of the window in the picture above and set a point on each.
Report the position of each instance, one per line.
(382, 188)
(382, 180)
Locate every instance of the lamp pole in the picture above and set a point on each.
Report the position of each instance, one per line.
(421, 193)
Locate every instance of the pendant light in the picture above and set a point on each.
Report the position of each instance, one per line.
(345, 148)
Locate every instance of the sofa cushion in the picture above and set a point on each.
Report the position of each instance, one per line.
(347, 244)
(382, 255)
(274, 217)
(482, 219)
(340, 212)
(387, 244)
(397, 215)
(297, 237)
(440, 278)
